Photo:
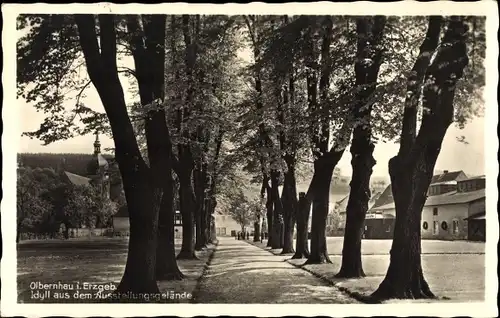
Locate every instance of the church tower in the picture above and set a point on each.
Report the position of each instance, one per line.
(98, 167)
(97, 144)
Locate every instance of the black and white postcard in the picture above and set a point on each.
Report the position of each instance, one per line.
(331, 159)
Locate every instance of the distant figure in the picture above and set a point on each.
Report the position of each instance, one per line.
(248, 236)
(239, 235)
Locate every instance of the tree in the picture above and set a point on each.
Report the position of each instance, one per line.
(321, 109)
(200, 86)
(369, 59)
(86, 207)
(411, 170)
(266, 147)
(302, 245)
(240, 209)
(45, 64)
(31, 207)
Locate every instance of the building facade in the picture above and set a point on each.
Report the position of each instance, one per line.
(454, 210)
(225, 225)
(337, 218)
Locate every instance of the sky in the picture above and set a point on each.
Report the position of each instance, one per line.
(454, 155)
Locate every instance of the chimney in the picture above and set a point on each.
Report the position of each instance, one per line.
(445, 171)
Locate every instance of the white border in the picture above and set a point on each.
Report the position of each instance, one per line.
(11, 123)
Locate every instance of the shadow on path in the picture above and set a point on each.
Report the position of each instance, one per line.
(243, 273)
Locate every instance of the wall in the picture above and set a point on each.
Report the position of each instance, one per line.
(121, 224)
(477, 206)
(226, 224)
(445, 213)
(72, 233)
(438, 189)
(472, 185)
(84, 232)
(379, 228)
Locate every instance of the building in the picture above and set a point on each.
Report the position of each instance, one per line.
(335, 224)
(454, 210)
(97, 176)
(225, 225)
(476, 227)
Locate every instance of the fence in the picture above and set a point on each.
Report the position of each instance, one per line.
(72, 233)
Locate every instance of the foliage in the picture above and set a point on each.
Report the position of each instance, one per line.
(32, 209)
(86, 207)
(73, 162)
(335, 220)
(45, 200)
(241, 209)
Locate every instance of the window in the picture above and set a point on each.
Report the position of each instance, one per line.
(435, 211)
(178, 219)
(217, 231)
(223, 231)
(435, 229)
(444, 226)
(455, 226)
(425, 225)
(432, 191)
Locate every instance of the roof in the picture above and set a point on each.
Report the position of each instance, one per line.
(96, 163)
(447, 198)
(101, 160)
(341, 205)
(384, 198)
(452, 182)
(474, 178)
(477, 216)
(449, 176)
(76, 179)
(443, 178)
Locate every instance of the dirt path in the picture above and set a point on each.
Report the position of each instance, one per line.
(243, 273)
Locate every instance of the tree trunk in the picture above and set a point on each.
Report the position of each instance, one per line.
(277, 237)
(370, 32)
(256, 230)
(166, 263)
(143, 204)
(269, 215)
(412, 169)
(319, 254)
(207, 214)
(143, 197)
(187, 206)
(213, 234)
(320, 183)
(199, 182)
(301, 245)
(210, 213)
(149, 57)
(18, 232)
(290, 206)
(357, 206)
